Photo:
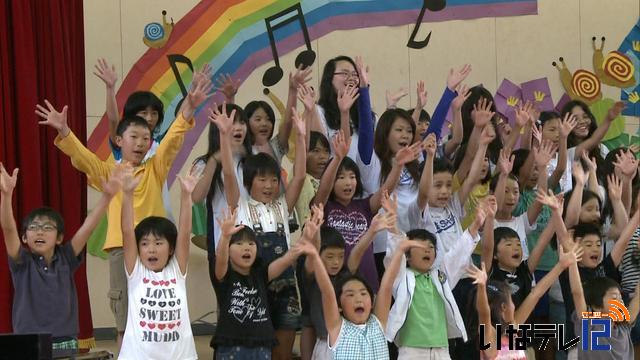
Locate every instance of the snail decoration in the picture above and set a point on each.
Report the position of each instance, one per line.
(157, 35)
(614, 69)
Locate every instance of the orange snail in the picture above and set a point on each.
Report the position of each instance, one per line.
(582, 85)
(615, 69)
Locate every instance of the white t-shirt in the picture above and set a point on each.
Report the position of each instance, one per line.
(409, 215)
(445, 223)
(330, 133)
(566, 180)
(268, 215)
(520, 225)
(158, 324)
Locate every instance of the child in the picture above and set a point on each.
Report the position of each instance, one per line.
(155, 258)
(44, 298)
(134, 138)
(318, 154)
(341, 190)
(358, 332)
(241, 279)
(495, 306)
(266, 210)
(425, 314)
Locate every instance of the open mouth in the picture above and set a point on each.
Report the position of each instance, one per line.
(426, 258)
(139, 152)
(593, 257)
(359, 310)
(246, 256)
(403, 143)
(40, 242)
(152, 260)
(516, 256)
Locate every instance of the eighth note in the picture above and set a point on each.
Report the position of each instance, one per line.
(177, 58)
(306, 58)
(433, 5)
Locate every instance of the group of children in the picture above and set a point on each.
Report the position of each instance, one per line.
(412, 246)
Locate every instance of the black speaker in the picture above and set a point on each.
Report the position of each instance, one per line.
(25, 347)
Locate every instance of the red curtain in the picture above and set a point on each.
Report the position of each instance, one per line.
(42, 57)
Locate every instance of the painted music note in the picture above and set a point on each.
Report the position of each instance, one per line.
(173, 60)
(306, 57)
(433, 5)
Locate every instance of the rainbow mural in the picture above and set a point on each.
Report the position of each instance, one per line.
(231, 36)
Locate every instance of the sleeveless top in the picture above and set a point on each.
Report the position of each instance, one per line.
(363, 342)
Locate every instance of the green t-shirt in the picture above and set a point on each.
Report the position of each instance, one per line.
(426, 322)
(549, 257)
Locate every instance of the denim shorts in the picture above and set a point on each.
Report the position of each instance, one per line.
(242, 353)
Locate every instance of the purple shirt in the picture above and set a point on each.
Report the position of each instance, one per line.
(352, 221)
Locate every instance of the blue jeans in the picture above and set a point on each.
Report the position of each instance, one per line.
(242, 353)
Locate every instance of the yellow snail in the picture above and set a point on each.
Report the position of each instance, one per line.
(582, 85)
(615, 69)
(156, 35)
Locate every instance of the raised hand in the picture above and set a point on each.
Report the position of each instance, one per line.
(614, 187)
(386, 221)
(188, 182)
(627, 164)
(567, 258)
(481, 216)
(389, 203)
(554, 202)
(227, 223)
(429, 144)
(300, 77)
(204, 73)
(363, 71)
(615, 110)
(479, 276)
(113, 185)
(8, 182)
(522, 115)
(578, 173)
(199, 92)
(106, 73)
(347, 97)
(407, 154)
(591, 164)
(505, 161)
(227, 86)
(393, 97)
(568, 123)
(536, 133)
(487, 135)
(307, 96)
(129, 181)
(463, 94)
(421, 93)
(406, 244)
(481, 113)
(55, 119)
(455, 77)
(304, 247)
(312, 225)
(298, 123)
(341, 145)
(544, 154)
(223, 121)
(489, 205)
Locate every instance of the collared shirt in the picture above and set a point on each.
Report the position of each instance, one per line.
(271, 217)
(44, 298)
(423, 325)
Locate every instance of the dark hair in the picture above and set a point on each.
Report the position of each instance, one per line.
(498, 294)
(381, 143)
(331, 238)
(131, 120)
(502, 233)
(349, 165)
(329, 97)
(587, 195)
(246, 233)
(260, 164)
(475, 94)
(594, 290)
(44, 212)
(493, 184)
(593, 125)
(317, 137)
(424, 115)
(343, 280)
(459, 157)
(422, 235)
(584, 229)
(546, 116)
(157, 226)
(139, 101)
(251, 108)
(519, 158)
(442, 165)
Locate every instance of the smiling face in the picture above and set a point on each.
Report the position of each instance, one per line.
(42, 236)
(355, 302)
(421, 260)
(150, 115)
(581, 131)
(265, 188)
(242, 254)
(333, 259)
(344, 75)
(401, 135)
(317, 160)
(590, 212)
(134, 142)
(154, 252)
(509, 253)
(441, 189)
(592, 245)
(261, 126)
(345, 185)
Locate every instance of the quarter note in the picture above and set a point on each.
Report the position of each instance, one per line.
(173, 60)
(306, 57)
(433, 5)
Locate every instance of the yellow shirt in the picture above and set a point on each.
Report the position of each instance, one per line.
(479, 192)
(147, 198)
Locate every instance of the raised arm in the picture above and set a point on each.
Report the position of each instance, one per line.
(473, 178)
(228, 87)
(300, 163)
(628, 166)
(346, 98)
(542, 156)
(482, 306)
(566, 126)
(378, 223)
(620, 216)
(332, 318)
(311, 234)
(392, 98)
(490, 209)
(572, 214)
(224, 123)
(421, 102)
(109, 76)
(452, 145)
(577, 291)
(383, 299)
(625, 236)
(340, 148)
(8, 223)
(482, 115)
(596, 138)
(403, 157)
(426, 179)
(204, 184)
(297, 80)
(554, 202)
(307, 96)
(522, 119)
(454, 79)
(505, 166)
(228, 227)
(129, 243)
(187, 184)
(366, 125)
